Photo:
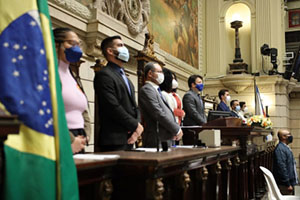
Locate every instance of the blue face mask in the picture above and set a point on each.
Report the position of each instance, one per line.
(73, 54)
(238, 108)
(199, 86)
(123, 54)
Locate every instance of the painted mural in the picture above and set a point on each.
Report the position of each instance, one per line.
(174, 26)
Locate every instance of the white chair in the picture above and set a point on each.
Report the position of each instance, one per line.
(274, 192)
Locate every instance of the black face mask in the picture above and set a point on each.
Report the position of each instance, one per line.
(290, 139)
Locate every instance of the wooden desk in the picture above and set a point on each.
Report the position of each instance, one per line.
(255, 152)
(178, 174)
(94, 178)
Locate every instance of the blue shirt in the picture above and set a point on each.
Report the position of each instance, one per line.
(223, 107)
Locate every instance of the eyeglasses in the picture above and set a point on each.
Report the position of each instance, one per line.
(157, 71)
(74, 42)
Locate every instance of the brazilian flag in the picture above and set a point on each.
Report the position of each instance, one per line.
(38, 161)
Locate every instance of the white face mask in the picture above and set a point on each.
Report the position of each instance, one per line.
(228, 98)
(174, 84)
(123, 54)
(246, 109)
(160, 78)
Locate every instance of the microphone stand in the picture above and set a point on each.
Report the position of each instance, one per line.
(195, 139)
(157, 133)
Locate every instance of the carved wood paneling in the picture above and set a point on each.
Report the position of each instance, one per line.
(154, 189)
(106, 189)
(134, 13)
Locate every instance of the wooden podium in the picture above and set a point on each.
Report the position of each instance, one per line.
(255, 151)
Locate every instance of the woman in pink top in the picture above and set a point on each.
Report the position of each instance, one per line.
(68, 51)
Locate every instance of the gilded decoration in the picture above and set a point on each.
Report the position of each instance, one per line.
(148, 45)
(134, 13)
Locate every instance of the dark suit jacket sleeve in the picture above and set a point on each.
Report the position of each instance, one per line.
(191, 109)
(151, 105)
(105, 86)
(137, 109)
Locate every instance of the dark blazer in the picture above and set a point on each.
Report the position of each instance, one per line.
(118, 112)
(283, 168)
(234, 114)
(223, 107)
(154, 109)
(194, 109)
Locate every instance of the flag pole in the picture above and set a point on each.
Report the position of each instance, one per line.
(255, 97)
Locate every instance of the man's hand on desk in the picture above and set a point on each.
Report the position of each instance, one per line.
(139, 129)
(178, 136)
(133, 138)
(138, 132)
(78, 144)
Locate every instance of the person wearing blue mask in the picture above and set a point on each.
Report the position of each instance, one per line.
(193, 107)
(76, 104)
(235, 108)
(192, 103)
(119, 116)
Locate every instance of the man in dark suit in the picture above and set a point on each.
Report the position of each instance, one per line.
(193, 107)
(192, 103)
(235, 108)
(155, 109)
(118, 112)
(224, 97)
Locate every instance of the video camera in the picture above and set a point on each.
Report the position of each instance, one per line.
(272, 52)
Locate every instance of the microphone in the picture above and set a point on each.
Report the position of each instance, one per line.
(164, 144)
(157, 138)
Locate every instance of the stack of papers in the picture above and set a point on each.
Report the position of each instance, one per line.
(185, 146)
(150, 149)
(95, 156)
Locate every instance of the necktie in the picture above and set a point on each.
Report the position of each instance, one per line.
(125, 80)
(160, 94)
(199, 98)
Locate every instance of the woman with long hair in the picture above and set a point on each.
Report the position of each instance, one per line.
(168, 88)
(68, 50)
